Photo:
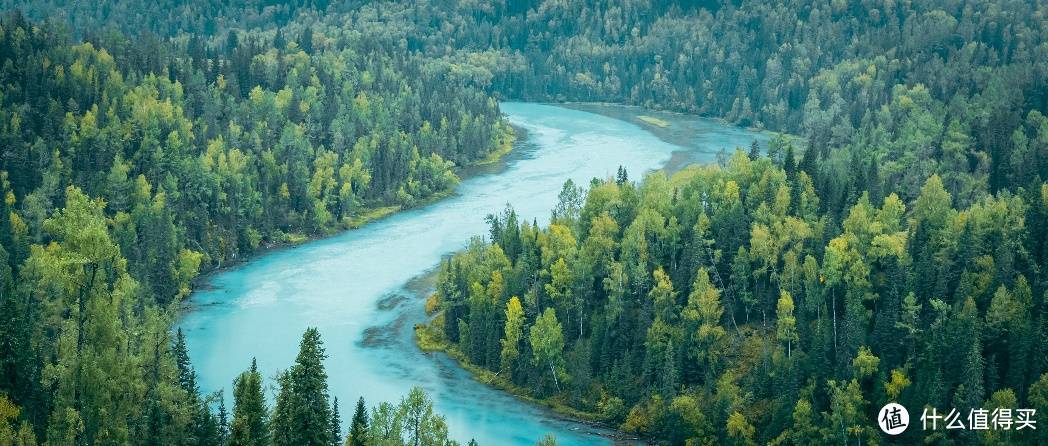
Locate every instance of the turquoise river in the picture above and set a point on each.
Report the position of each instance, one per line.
(360, 288)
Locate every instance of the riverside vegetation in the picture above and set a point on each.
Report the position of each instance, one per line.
(897, 254)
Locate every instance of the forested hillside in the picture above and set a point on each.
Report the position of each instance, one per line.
(897, 255)
(731, 305)
(131, 164)
(895, 252)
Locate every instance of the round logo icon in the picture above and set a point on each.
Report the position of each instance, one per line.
(893, 419)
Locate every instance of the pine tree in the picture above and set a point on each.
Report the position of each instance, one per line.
(208, 428)
(740, 278)
(669, 372)
(305, 392)
(1038, 398)
(281, 423)
(249, 426)
(186, 374)
(809, 162)
(336, 424)
(358, 431)
(19, 367)
(970, 390)
(223, 418)
(873, 181)
(789, 163)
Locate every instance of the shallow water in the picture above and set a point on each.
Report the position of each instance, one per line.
(358, 285)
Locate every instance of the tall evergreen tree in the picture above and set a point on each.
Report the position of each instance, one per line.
(281, 427)
(250, 415)
(223, 418)
(358, 430)
(304, 414)
(336, 424)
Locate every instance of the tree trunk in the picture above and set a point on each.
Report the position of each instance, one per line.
(554, 372)
(833, 297)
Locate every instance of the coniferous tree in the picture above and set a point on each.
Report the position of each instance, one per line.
(789, 163)
(250, 414)
(336, 424)
(166, 132)
(358, 430)
(281, 427)
(303, 415)
(223, 418)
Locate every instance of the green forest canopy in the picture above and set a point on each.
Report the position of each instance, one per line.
(724, 305)
(144, 142)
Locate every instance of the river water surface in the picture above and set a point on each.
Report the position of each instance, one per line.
(358, 287)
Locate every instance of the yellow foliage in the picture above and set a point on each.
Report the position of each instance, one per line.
(898, 382)
(432, 303)
(8, 409)
(865, 363)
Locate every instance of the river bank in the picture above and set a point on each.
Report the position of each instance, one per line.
(413, 316)
(692, 134)
(357, 289)
(492, 163)
(429, 340)
(702, 139)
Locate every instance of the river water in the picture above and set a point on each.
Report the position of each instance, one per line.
(360, 288)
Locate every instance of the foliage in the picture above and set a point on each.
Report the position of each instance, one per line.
(825, 317)
(131, 164)
(768, 299)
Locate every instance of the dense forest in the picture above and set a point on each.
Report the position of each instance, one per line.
(131, 164)
(895, 254)
(894, 250)
(729, 305)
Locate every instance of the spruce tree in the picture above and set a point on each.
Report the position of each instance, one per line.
(223, 418)
(303, 416)
(789, 162)
(186, 374)
(336, 424)
(358, 431)
(249, 426)
(281, 426)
